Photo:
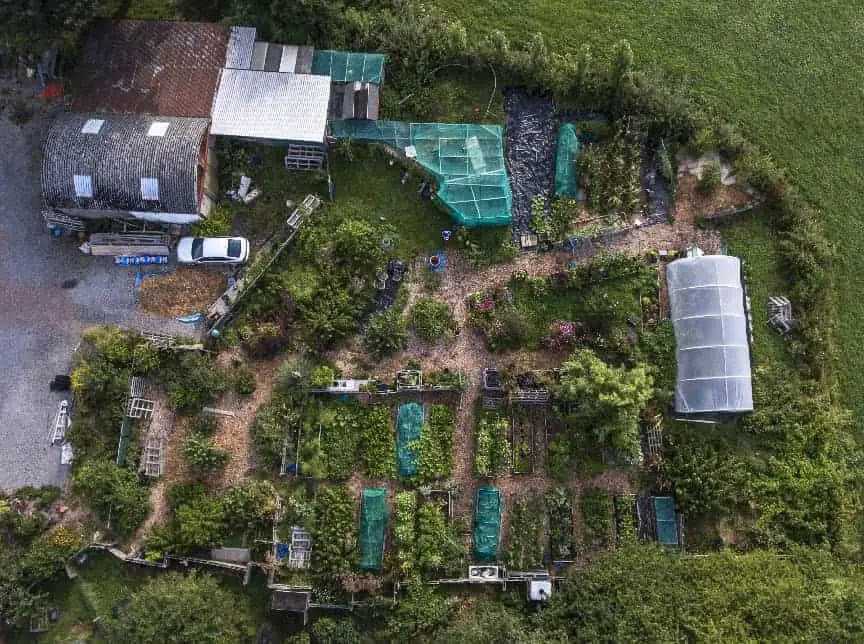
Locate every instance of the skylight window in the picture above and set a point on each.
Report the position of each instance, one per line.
(92, 126)
(83, 186)
(149, 189)
(157, 128)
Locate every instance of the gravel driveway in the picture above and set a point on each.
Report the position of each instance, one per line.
(40, 322)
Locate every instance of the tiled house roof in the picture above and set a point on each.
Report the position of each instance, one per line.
(150, 67)
(128, 163)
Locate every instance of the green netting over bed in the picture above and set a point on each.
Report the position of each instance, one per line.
(467, 161)
(409, 423)
(667, 525)
(487, 523)
(343, 66)
(566, 180)
(373, 526)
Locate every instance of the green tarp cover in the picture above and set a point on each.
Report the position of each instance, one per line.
(409, 424)
(343, 66)
(667, 526)
(467, 161)
(566, 183)
(373, 525)
(487, 523)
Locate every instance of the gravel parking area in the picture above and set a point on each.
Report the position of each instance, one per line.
(41, 322)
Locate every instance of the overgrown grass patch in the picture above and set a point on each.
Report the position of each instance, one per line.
(752, 241)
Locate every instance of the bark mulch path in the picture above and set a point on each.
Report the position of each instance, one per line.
(183, 291)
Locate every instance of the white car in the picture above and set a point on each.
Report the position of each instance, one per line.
(212, 250)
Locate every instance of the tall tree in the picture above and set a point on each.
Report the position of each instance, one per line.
(604, 400)
(178, 608)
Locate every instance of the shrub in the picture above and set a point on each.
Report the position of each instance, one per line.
(181, 608)
(244, 381)
(509, 329)
(108, 489)
(200, 523)
(146, 357)
(430, 319)
(202, 455)
(322, 376)
(711, 178)
(218, 223)
(192, 382)
(178, 494)
(49, 552)
(385, 334)
(249, 505)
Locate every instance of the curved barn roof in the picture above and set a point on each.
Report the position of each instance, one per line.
(712, 348)
(131, 163)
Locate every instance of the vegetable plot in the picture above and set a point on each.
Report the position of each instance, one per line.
(492, 451)
(597, 518)
(559, 505)
(334, 532)
(409, 425)
(376, 445)
(404, 532)
(436, 444)
(525, 548)
(523, 440)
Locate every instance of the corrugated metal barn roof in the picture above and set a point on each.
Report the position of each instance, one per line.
(240, 45)
(150, 67)
(123, 166)
(271, 105)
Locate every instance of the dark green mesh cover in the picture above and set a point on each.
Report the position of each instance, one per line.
(373, 526)
(409, 424)
(343, 66)
(667, 526)
(487, 523)
(566, 180)
(467, 161)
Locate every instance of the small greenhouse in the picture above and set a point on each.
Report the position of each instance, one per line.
(706, 299)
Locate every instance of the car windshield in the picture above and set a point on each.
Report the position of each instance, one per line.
(233, 248)
(197, 248)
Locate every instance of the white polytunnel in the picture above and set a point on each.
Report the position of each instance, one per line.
(712, 349)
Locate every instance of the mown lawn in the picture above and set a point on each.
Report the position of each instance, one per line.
(789, 72)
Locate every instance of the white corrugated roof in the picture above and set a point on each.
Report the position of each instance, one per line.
(240, 44)
(271, 105)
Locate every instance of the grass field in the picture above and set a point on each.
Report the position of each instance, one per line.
(789, 72)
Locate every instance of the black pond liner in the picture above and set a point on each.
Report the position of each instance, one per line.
(529, 139)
